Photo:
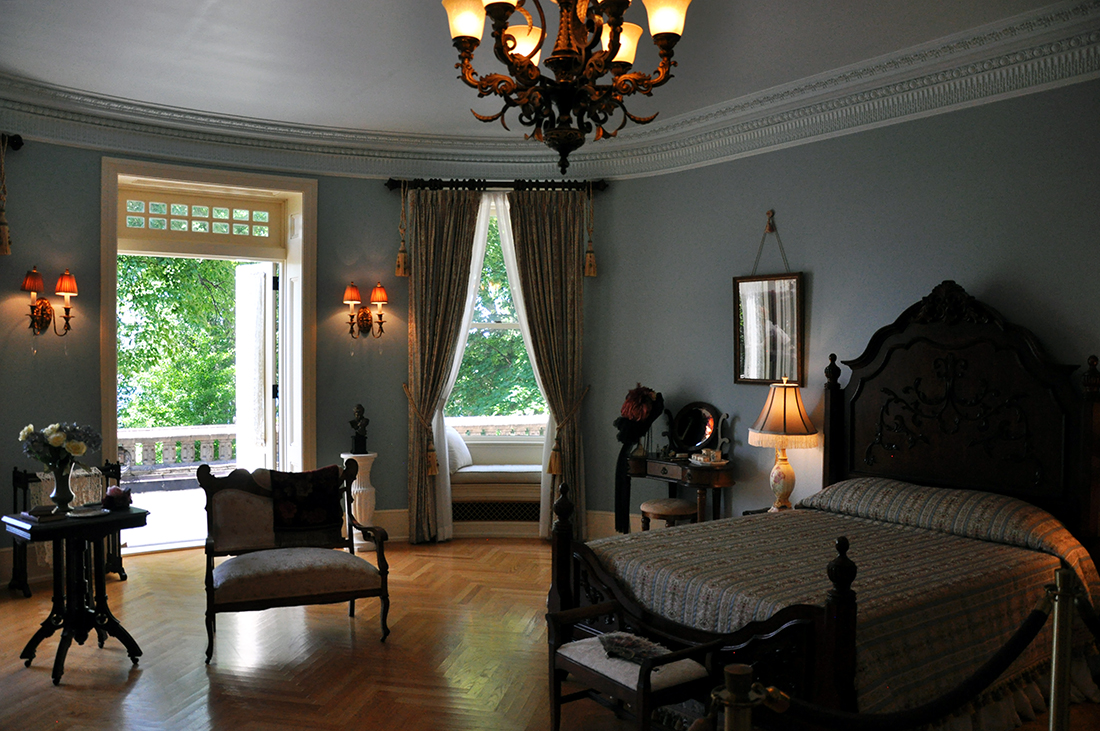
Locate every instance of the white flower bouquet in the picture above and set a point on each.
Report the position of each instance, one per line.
(59, 445)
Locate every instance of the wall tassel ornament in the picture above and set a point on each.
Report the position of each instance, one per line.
(590, 255)
(402, 269)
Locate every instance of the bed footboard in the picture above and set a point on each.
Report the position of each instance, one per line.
(806, 650)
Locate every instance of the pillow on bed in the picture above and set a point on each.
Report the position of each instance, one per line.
(457, 452)
(982, 515)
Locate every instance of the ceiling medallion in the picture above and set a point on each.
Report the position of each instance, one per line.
(565, 108)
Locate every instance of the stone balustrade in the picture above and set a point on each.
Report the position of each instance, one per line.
(146, 450)
(499, 426)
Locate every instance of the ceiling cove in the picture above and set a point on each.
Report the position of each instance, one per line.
(1056, 46)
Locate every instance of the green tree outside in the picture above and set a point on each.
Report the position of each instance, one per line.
(496, 377)
(176, 342)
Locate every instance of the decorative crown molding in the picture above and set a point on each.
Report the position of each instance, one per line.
(1056, 46)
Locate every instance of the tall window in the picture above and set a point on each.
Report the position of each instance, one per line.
(495, 378)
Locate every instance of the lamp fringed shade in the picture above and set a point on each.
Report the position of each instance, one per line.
(351, 295)
(783, 422)
(33, 281)
(378, 295)
(66, 285)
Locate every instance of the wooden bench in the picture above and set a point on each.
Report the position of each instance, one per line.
(290, 542)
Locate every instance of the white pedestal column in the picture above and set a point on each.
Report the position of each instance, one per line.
(362, 492)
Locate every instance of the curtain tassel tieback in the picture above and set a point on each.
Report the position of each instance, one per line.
(590, 254)
(402, 269)
(432, 458)
(554, 467)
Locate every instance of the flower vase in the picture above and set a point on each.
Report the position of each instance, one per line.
(62, 495)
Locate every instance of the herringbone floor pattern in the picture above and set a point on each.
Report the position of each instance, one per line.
(467, 652)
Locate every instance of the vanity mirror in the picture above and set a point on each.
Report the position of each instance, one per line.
(768, 331)
(696, 427)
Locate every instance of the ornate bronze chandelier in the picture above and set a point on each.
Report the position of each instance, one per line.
(564, 109)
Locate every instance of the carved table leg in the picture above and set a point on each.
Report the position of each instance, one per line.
(57, 612)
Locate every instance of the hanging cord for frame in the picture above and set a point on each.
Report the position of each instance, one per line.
(402, 254)
(590, 255)
(769, 228)
(5, 232)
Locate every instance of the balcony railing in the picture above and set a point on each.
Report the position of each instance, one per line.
(165, 449)
(499, 426)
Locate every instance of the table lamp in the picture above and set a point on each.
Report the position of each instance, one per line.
(783, 424)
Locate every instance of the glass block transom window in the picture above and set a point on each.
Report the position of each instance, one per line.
(186, 216)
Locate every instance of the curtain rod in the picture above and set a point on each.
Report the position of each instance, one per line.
(439, 184)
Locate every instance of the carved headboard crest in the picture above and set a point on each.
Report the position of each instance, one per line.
(949, 303)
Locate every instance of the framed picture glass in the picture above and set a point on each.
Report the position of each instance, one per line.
(768, 332)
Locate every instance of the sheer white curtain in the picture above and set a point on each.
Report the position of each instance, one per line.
(445, 522)
(508, 247)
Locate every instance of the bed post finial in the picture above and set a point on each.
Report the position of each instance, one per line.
(832, 373)
(837, 658)
(561, 554)
(1091, 378)
(833, 466)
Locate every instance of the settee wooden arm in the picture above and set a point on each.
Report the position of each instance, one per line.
(378, 536)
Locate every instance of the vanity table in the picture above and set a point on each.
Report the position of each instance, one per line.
(682, 473)
(695, 427)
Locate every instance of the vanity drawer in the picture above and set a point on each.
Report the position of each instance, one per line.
(665, 470)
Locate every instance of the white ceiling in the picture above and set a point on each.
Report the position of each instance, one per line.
(387, 65)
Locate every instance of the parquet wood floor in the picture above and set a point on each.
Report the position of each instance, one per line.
(467, 652)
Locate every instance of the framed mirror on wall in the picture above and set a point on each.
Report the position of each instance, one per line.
(768, 329)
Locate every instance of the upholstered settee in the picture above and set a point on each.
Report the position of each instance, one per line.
(277, 539)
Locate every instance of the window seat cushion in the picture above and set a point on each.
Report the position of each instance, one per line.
(291, 572)
(498, 473)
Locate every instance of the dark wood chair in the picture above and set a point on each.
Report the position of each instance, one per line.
(287, 539)
(630, 688)
(21, 498)
(668, 509)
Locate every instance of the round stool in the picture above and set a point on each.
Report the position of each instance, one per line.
(668, 509)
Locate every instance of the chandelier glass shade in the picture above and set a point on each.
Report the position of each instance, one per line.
(591, 64)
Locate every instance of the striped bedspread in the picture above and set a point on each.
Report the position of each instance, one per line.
(937, 594)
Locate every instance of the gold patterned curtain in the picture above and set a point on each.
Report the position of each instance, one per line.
(441, 240)
(549, 231)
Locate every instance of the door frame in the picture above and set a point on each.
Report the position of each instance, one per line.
(298, 284)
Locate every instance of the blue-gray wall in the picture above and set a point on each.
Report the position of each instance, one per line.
(1003, 198)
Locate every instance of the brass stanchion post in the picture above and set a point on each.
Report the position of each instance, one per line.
(1059, 665)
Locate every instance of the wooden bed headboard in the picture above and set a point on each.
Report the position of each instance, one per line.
(951, 395)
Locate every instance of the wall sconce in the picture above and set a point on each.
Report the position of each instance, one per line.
(363, 322)
(41, 313)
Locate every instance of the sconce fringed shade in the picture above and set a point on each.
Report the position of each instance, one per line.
(783, 424)
(564, 108)
(41, 314)
(33, 283)
(66, 286)
(378, 296)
